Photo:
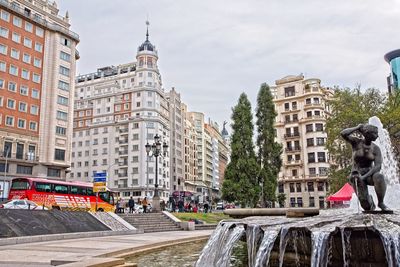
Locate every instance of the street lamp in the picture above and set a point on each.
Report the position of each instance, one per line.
(155, 150)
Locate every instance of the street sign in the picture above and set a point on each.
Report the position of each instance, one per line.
(99, 182)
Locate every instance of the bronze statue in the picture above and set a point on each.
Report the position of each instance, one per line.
(367, 163)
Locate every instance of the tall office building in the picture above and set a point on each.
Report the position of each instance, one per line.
(37, 69)
(302, 110)
(393, 58)
(118, 110)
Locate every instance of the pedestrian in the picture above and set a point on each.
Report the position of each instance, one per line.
(206, 206)
(162, 205)
(131, 204)
(144, 204)
(122, 205)
(117, 205)
(180, 205)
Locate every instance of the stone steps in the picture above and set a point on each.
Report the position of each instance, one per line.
(150, 222)
(205, 226)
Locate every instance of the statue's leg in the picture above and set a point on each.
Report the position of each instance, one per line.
(380, 189)
(365, 199)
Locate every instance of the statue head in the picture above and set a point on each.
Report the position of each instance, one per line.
(370, 132)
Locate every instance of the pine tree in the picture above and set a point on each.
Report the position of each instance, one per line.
(240, 181)
(269, 151)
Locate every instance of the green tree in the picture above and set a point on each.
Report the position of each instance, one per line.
(269, 151)
(240, 181)
(349, 107)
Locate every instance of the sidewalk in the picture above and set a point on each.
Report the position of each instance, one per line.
(42, 253)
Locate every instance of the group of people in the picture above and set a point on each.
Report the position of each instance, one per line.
(121, 205)
(189, 206)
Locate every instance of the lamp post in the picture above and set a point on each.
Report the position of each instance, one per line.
(8, 154)
(155, 150)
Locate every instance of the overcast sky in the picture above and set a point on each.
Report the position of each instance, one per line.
(211, 51)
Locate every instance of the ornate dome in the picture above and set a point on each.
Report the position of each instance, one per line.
(146, 45)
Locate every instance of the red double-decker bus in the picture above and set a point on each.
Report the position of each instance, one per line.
(61, 195)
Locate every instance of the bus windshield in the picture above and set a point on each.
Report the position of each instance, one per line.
(20, 184)
(105, 196)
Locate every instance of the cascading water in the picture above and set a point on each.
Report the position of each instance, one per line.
(340, 237)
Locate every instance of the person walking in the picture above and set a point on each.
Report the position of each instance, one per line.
(144, 204)
(131, 204)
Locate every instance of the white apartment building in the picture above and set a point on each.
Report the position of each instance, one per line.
(302, 110)
(176, 140)
(190, 153)
(117, 110)
(37, 69)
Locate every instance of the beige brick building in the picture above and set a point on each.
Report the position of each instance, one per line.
(302, 110)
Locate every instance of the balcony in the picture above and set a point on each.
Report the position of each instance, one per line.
(293, 149)
(123, 152)
(313, 105)
(291, 135)
(311, 118)
(125, 130)
(293, 163)
(292, 121)
(31, 157)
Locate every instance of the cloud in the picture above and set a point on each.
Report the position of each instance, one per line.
(211, 51)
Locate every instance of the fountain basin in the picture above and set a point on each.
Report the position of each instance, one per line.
(334, 238)
(290, 212)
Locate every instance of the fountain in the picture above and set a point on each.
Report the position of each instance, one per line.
(341, 237)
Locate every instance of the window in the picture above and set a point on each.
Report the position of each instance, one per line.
(35, 93)
(64, 71)
(298, 187)
(28, 27)
(2, 83)
(309, 114)
(323, 171)
(11, 103)
(38, 47)
(320, 141)
(61, 115)
(12, 86)
(13, 70)
(2, 66)
(291, 187)
(26, 58)
(4, 15)
(9, 121)
(25, 74)
(24, 169)
(23, 90)
(312, 202)
(309, 128)
(17, 21)
(21, 123)
(16, 37)
(310, 186)
(319, 127)
(61, 130)
(289, 91)
(321, 157)
(65, 56)
(14, 53)
(59, 154)
(53, 173)
(310, 141)
(65, 41)
(36, 78)
(22, 107)
(281, 188)
(63, 85)
(34, 110)
(321, 186)
(299, 202)
(27, 42)
(37, 62)
(39, 32)
(62, 100)
(32, 126)
(311, 157)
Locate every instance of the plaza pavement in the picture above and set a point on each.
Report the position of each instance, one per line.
(87, 251)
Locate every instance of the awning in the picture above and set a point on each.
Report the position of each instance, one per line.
(344, 194)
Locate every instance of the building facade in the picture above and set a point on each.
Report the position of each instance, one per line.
(118, 110)
(393, 58)
(300, 124)
(176, 140)
(37, 69)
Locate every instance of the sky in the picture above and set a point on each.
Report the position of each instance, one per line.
(213, 50)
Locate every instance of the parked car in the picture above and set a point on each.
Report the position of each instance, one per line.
(22, 204)
(229, 206)
(220, 206)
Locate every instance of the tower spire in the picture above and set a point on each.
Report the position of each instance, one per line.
(147, 31)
